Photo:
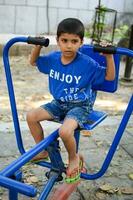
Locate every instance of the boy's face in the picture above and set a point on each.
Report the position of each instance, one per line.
(69, 44)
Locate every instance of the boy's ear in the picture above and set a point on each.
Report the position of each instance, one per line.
(82, 41)
(57, 39)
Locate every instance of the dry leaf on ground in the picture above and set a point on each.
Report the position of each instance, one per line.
(127, 190)
(32, 179)
(130, 176)
(109, 188)
(86, 133)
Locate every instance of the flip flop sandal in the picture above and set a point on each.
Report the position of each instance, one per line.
(40, 160)
(73, 179)
(37, 161)
(77, 177)
(82, 168)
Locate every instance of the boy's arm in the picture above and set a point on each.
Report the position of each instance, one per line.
(34, 54)
(110, 70)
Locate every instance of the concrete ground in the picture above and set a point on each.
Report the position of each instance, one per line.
(117, 182)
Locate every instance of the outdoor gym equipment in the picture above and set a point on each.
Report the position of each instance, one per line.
(11, 176)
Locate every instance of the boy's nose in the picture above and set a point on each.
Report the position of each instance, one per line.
(69, 44)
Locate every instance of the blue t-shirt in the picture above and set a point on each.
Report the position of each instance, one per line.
(73, 81)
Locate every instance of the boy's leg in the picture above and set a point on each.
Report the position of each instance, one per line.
(66, 132)
(34, 117)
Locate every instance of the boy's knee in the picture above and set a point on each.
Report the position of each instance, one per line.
(31, 116)
(64, 133)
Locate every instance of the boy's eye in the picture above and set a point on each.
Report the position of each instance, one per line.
(74, 41)
(64, 40)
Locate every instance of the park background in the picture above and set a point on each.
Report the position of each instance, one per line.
(42, 16)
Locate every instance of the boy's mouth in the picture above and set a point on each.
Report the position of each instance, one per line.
(68, 52)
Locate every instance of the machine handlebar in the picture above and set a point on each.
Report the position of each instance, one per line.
(107, 49)
(45, 42)
(38, 41)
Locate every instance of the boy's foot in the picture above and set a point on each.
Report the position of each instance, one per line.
(73, 171)
(43, 156)
(83, 168)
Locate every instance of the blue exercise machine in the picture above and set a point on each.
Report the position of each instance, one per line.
(11, 176)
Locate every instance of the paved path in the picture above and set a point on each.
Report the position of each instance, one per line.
(117, 182)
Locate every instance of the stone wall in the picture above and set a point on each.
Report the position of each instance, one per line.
(32, 16)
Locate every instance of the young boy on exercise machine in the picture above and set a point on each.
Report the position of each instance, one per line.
(71, 76)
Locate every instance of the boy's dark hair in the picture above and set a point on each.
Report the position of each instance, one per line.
(71, 26)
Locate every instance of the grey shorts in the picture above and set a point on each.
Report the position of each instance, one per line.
(78, 111)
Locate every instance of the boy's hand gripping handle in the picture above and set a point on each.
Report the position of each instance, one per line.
(38, 41)
(106, 50)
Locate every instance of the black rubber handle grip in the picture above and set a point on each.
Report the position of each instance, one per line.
(38, 41)
(106, 50)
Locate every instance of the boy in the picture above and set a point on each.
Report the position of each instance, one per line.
(71, 75)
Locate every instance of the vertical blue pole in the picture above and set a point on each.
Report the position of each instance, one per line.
(77, 137)
(11, 90)
(13, 194)
(48, 187)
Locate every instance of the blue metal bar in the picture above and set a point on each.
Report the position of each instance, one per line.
(114, 145)
(16, 185)
(13, 194)
(119, 50)
(124, 51)
(55, 156)
(23, 159)
(77, 137)
(11, 90)
(48, 187)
